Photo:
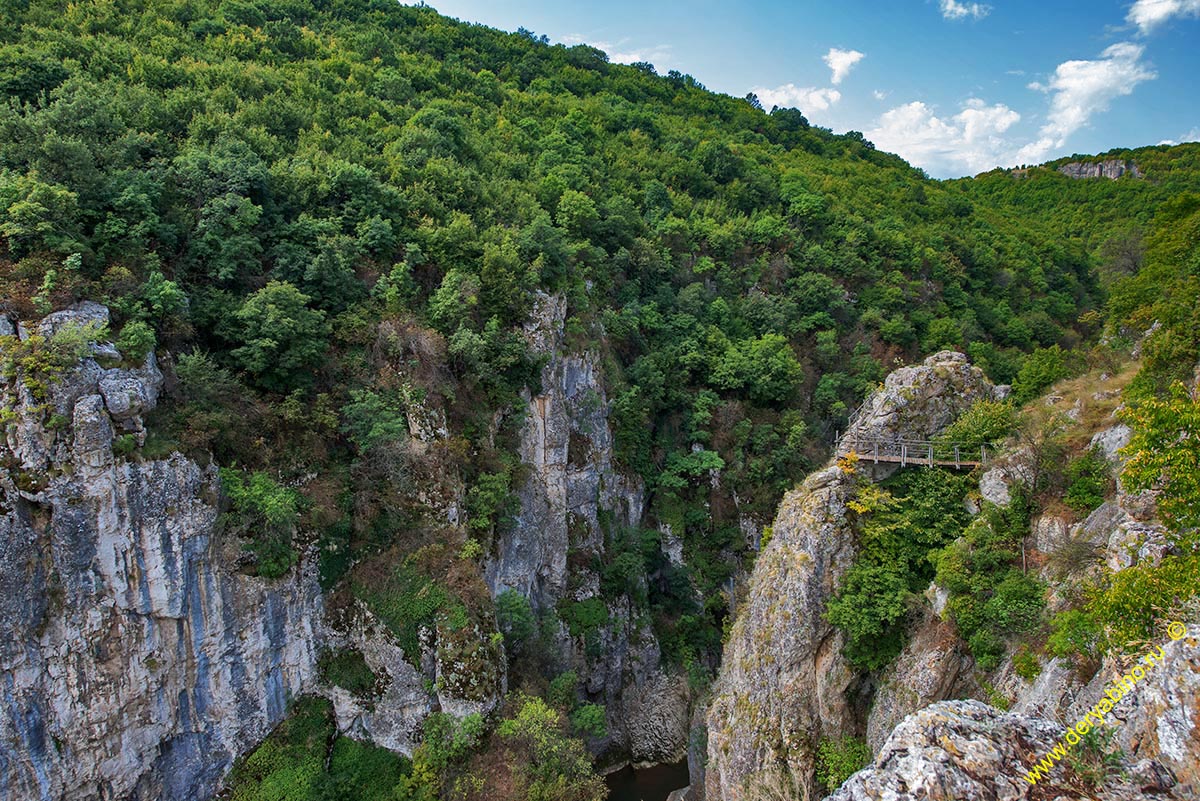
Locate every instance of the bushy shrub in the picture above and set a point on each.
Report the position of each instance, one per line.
(990, 598)
(515, 619)
(135, 341)
(1134, 602)
(590, 719)
(265, 514)
(839, 759)
(283, 338)
(984, 423)
(348, 669)
(547, 764)
(1075, 633)
(1088, 480)
(919, 512)
(1042, 368)
(870, 607)
(563, 689)
(448, 740)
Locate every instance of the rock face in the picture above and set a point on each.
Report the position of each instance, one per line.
(1111, 169)
(966, 750)
(918, 402)
(932, 666)
(392, 718)
(572, 497)
(136, 664)
(567, 444)
(783, 679)
(1163, 723)
(784, 683)
(954, 751)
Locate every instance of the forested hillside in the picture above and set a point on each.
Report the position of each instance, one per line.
(327, 216)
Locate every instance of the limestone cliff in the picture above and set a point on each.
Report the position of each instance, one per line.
(572, 497)
(969, 750)
(1111, 169)
(135, 665)
(784, 683)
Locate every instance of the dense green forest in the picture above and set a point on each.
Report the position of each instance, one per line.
(324, 213)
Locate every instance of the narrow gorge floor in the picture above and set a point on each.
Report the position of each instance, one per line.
(654, 783)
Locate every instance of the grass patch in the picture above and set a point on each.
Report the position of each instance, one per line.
(346, 668)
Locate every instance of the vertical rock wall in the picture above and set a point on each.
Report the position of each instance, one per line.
(135, 664)
(574, 494)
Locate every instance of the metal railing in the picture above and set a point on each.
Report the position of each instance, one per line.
(916, 453)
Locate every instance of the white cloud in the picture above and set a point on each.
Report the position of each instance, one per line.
(805, 98)
(952, 9)
(967, 142)
(841, 62)
(1149, 14)
(1192, 135)
(1081, 89)
(657, 55)
(880, 94)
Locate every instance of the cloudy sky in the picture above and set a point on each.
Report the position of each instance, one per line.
(954, 87)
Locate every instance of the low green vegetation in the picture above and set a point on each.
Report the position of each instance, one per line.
(38, 360)
(1089, 481)
(839, 759)
(1044, 367)
(304, 759)
(545, 763)
(407, 600)
(1122, 610)
(348, 669)
(991, 597)
(902, 524)
(265, 515)
(986, 422)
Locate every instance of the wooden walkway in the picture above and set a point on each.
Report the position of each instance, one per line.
(913, 453)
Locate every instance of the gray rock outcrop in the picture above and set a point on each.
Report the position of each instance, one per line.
(968, 751)
(391, 717)
(567, 444)
(1110, 168)
(933, 666)
(137, 664)
(918, 402)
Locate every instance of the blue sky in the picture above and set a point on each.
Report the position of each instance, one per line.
(955, 87)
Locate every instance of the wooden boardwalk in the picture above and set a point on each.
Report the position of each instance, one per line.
(913, 453)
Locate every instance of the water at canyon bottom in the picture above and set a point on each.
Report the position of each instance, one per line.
(649, 784)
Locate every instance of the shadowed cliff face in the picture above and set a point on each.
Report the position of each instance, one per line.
(784, 683)
(135, 664)
(572, 483)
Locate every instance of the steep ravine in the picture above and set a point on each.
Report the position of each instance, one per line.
(139, 661)
(784, 684)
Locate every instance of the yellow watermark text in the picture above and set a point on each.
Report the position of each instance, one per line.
(1095, 716)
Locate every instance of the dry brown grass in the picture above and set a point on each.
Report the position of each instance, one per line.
(1098, 400)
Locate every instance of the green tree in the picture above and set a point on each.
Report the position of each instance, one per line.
(283, 338)
(765, 366)
(1043, 367)
(549, 765)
